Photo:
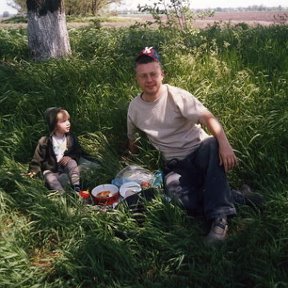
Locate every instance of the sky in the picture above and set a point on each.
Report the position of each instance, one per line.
(197, 4)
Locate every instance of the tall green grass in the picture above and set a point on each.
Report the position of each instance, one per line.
(48, 240)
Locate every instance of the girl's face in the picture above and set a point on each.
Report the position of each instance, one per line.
(63, 123)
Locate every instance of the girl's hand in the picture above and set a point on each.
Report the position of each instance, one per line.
(31, 174)
(64, 161)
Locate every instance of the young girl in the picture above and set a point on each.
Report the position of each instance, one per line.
(57, 154)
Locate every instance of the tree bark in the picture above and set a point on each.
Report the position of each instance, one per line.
(47, 30)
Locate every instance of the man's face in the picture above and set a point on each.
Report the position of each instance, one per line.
(149, 77)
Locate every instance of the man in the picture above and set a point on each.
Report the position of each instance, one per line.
(195, 162)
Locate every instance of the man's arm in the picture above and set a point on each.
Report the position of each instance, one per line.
(226, 153)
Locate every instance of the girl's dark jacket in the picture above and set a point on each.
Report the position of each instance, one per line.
(44, 157)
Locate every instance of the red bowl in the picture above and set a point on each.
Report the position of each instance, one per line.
(110, 190)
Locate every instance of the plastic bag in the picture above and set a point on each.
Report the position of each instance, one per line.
(136, 173)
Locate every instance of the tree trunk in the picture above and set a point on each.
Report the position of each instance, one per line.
(93, 7)
(47, 30)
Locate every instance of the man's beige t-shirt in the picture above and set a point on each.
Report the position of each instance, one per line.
(170, 122)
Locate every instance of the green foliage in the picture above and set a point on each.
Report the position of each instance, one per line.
(175, 14)
(15, 19)
(13, 45)
(48, 240)
(267, 51)
(101, 150)
(72, 7)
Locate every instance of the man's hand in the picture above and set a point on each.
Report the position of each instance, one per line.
(227, 156)
(132, 147)
(128, 154)
(64, 161)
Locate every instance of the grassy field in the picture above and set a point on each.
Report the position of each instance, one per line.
(48, 240)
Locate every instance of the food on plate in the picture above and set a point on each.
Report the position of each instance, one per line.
(104, 194)
(145, 184)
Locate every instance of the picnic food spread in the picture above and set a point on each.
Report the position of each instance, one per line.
(129, 182)
(104, 194)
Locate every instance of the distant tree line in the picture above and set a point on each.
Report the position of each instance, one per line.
(72, 7)
(251, 8)
(220, 9)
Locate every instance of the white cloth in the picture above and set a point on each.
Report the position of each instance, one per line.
(59, 146)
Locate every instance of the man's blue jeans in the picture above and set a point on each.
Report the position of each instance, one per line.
(199, 183)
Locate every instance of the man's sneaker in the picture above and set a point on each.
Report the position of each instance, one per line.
(245, 196)
(218, 231)
(252, 199)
